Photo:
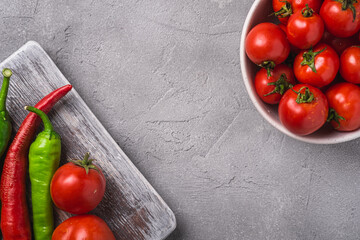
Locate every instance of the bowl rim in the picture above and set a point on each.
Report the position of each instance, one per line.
(344, 137)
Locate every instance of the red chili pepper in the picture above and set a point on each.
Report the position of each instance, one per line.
(15, 223)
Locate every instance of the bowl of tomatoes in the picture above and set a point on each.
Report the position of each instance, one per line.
(300, 62)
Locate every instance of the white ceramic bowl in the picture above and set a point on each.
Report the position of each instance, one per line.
(258, 13)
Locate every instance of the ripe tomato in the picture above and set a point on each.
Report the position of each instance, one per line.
(339, 22)
(317, 67)
(304, 111)
(305, 28)
(339, 44)
(75, 190)
(89, 227)
(266, 45)
(270, 89)
(350, 64)
(344, 99)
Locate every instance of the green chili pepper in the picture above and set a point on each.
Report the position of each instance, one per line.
(5, 124)
(44, 159)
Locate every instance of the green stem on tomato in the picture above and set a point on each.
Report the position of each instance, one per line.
(309, 58)
(307, 11)
(348, 4)
(306, 97)
(269, 66)
(85, 163)
(334, 116)
(281, 85)
(284, 11)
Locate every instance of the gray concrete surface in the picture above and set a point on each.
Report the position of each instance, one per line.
(164, 79)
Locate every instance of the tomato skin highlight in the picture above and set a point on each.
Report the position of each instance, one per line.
(262, 80)
(327, 64)
(89, 227)
(75, 191)
(267, 42)
(304, 32)
(303, 118)
(340, 22)
(350, 64)
(344, 98)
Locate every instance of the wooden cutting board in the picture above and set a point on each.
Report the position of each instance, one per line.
(131, 207)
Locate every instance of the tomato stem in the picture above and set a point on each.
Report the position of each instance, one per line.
(284, 11)
(334, 116)
(85, 163)
(269, 66)
(348, 4)
(306, 97)
(309, 58)
(307, 11)
(281, 85)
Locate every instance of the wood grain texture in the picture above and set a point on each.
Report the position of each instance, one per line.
(131, 207)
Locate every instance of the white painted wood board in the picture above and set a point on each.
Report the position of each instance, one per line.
(131, 207)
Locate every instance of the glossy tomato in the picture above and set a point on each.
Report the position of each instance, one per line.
(89, 227)
(317, 67)
(350, 64)
(303, 109)
(339, 44)
(338, 21)
(344, 99)
(77, 190)
(305, 28)
(270, 89)
(267, 44)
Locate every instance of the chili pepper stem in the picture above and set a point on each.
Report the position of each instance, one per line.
(4, 89)
(47, 124)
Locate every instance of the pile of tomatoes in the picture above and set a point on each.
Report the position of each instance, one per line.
(310, 63)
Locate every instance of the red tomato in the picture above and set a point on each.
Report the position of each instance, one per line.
(305, 28)
(350, 64)
(344, 98)
(304, 112)
(317, 67)
(89, 227)
(265, 43)
(339, 22)
(339, 44)
(270, 89)
(75, 191)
